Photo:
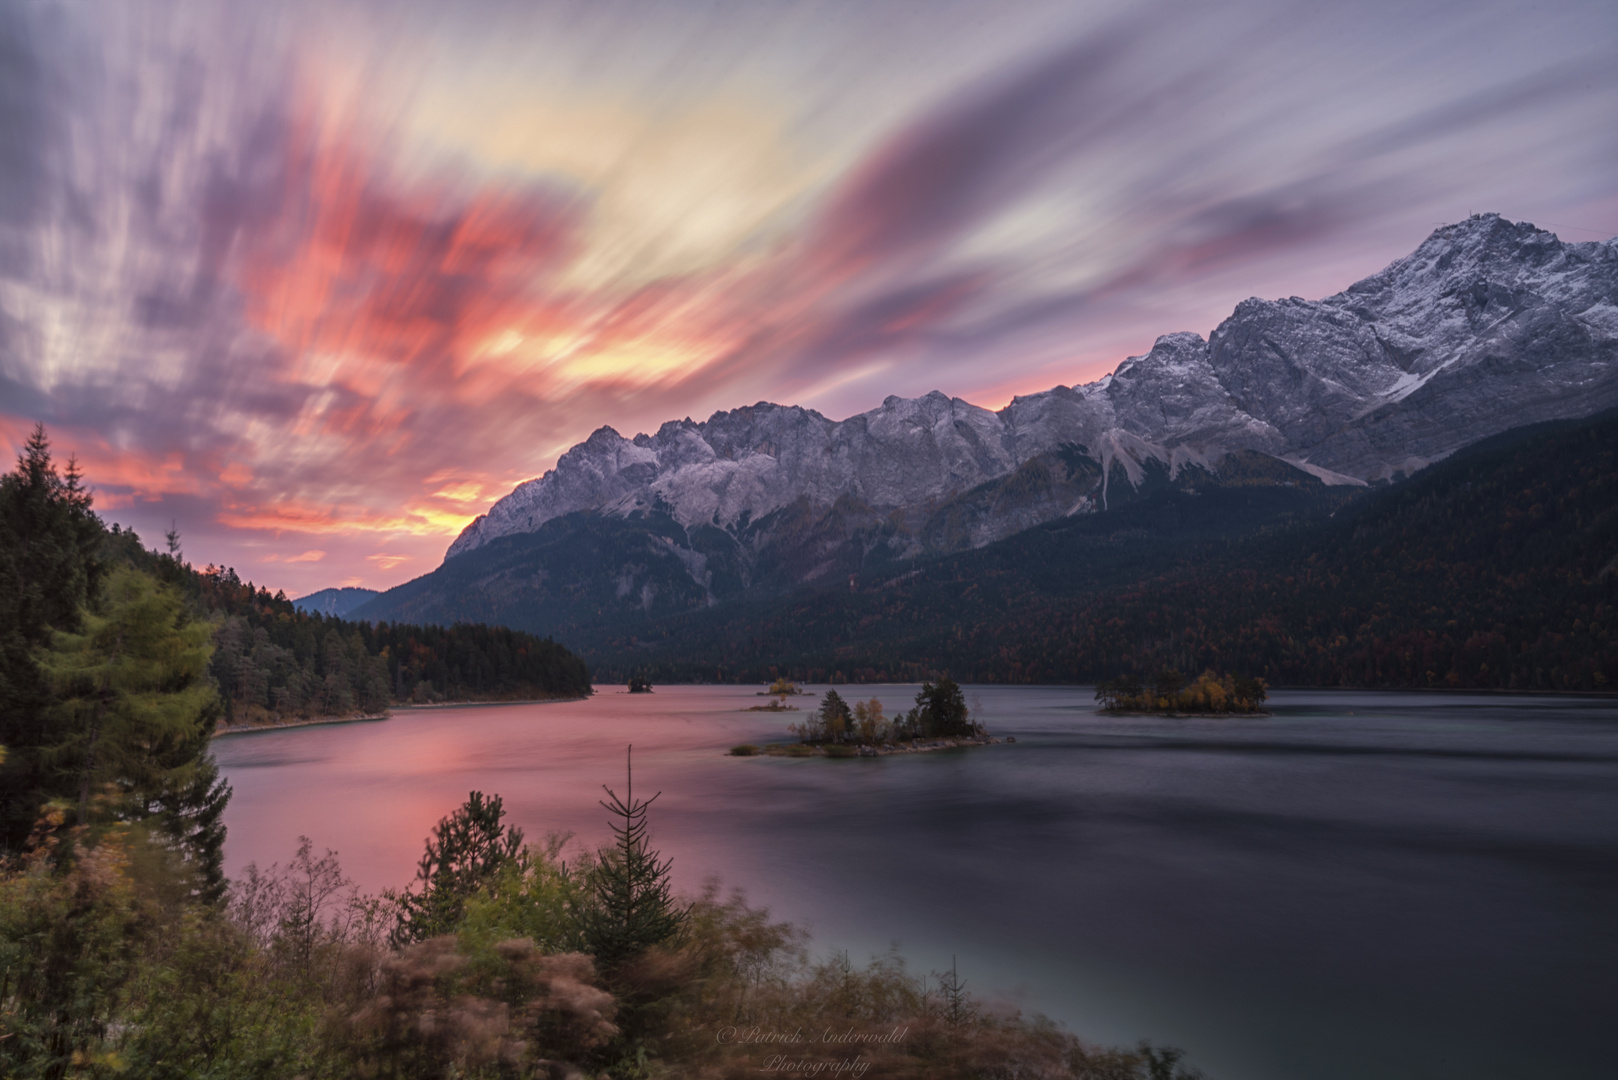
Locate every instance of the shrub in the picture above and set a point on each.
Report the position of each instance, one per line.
(110, 965)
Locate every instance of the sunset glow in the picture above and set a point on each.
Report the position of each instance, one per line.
(320, 285)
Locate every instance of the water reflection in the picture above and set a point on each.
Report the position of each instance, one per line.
(1363, 884)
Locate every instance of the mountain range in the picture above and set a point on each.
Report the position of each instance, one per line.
(1496, 568)
(1285, 411)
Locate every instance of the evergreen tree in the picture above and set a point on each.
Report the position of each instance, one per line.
(51, 538)
(959, 1009)
(192, 815)
(634, 906)
(467, 850)
(135, 697)
(832, 710)
(49, 572)
(942, 709)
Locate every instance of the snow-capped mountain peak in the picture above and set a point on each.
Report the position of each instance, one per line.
(1488, 324)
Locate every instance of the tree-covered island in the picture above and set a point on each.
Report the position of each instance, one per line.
(939, 720)
(1168, 694)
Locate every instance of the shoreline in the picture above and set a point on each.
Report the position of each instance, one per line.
(248, 729)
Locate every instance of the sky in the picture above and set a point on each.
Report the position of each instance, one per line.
(316, 283)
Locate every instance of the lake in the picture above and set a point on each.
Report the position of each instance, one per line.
(1364, 884)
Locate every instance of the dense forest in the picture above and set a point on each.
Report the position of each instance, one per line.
(1495, 569)
(274, 663)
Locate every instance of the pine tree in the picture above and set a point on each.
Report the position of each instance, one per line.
(467, 850)
(634, 906)
(959, 1008)
(134, 696)
(51, 538)
(192, 815)
(942, 709)
(834, 714)
(49, 572)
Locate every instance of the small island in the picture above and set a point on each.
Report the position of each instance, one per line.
(780, 690)
(778, 705)
(1168, 694)
(639, 685)
(940, 720)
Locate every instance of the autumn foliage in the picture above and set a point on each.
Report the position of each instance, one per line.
(1209, 694)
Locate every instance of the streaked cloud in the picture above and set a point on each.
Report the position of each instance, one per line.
(313, 555)
(331, 278)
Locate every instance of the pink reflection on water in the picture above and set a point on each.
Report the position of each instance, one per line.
(373, 791)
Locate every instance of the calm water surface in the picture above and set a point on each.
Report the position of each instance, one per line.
(1364, 885)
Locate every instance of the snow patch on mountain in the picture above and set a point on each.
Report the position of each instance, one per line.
(1488, 324)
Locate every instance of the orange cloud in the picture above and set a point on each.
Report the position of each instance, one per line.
(403, 297)
(308, 556)
(367, 278)
(387, 562)
(236, 474)
(318, 518)
(144, 476)
(463, 491)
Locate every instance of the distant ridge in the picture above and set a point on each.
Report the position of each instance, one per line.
(333, 601)
(1284, 413)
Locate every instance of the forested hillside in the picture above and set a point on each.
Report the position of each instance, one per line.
(97, 632)
(274, 663)
(1496, 569)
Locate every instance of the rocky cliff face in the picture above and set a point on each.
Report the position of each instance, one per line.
(1487, 325)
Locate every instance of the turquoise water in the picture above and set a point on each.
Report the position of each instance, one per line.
(1363, 885)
